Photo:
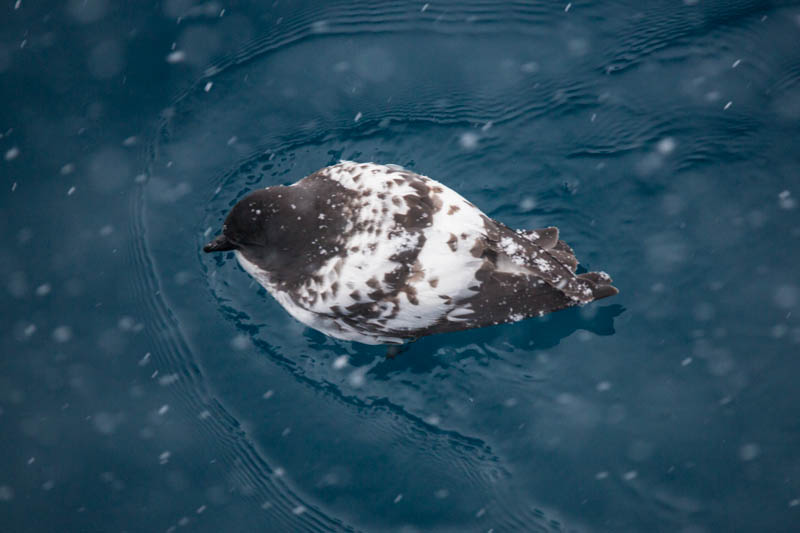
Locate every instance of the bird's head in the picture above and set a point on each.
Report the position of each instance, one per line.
(247, 226)
(283, 230)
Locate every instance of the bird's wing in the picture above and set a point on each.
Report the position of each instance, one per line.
(523, 274)
(547, 238)
(423, 260)
(554, 266)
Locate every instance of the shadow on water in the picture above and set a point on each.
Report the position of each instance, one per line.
(540, 334)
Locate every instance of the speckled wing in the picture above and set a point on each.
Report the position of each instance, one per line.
(525, 273)
(416, 258)
(408, 258)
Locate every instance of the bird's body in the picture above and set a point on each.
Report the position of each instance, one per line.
(380, 255)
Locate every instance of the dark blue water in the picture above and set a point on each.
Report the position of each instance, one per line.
(145, 386)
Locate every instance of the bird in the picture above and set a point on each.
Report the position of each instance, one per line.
(381, 255)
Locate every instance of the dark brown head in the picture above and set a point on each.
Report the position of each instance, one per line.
(248, 226)
(288, 231)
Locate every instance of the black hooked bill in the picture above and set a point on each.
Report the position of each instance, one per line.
(220, 243)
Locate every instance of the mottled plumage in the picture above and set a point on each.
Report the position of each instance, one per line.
(380, 255)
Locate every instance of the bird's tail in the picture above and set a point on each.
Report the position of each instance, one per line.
(547, 238)
(600, 283)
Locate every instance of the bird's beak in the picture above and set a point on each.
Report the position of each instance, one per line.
(219, 244)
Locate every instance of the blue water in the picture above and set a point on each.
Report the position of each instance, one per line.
(145, 386)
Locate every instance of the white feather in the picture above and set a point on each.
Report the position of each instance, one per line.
(447, 274)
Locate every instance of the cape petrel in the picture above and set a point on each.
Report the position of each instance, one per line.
(381, 255)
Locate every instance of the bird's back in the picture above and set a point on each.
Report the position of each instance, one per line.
(417, 258)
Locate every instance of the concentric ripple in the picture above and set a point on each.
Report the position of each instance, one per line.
(539, 113)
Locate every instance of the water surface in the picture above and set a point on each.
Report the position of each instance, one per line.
(148, 386)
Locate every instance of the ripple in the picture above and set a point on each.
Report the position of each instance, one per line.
(173, 354)
(345, 81)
